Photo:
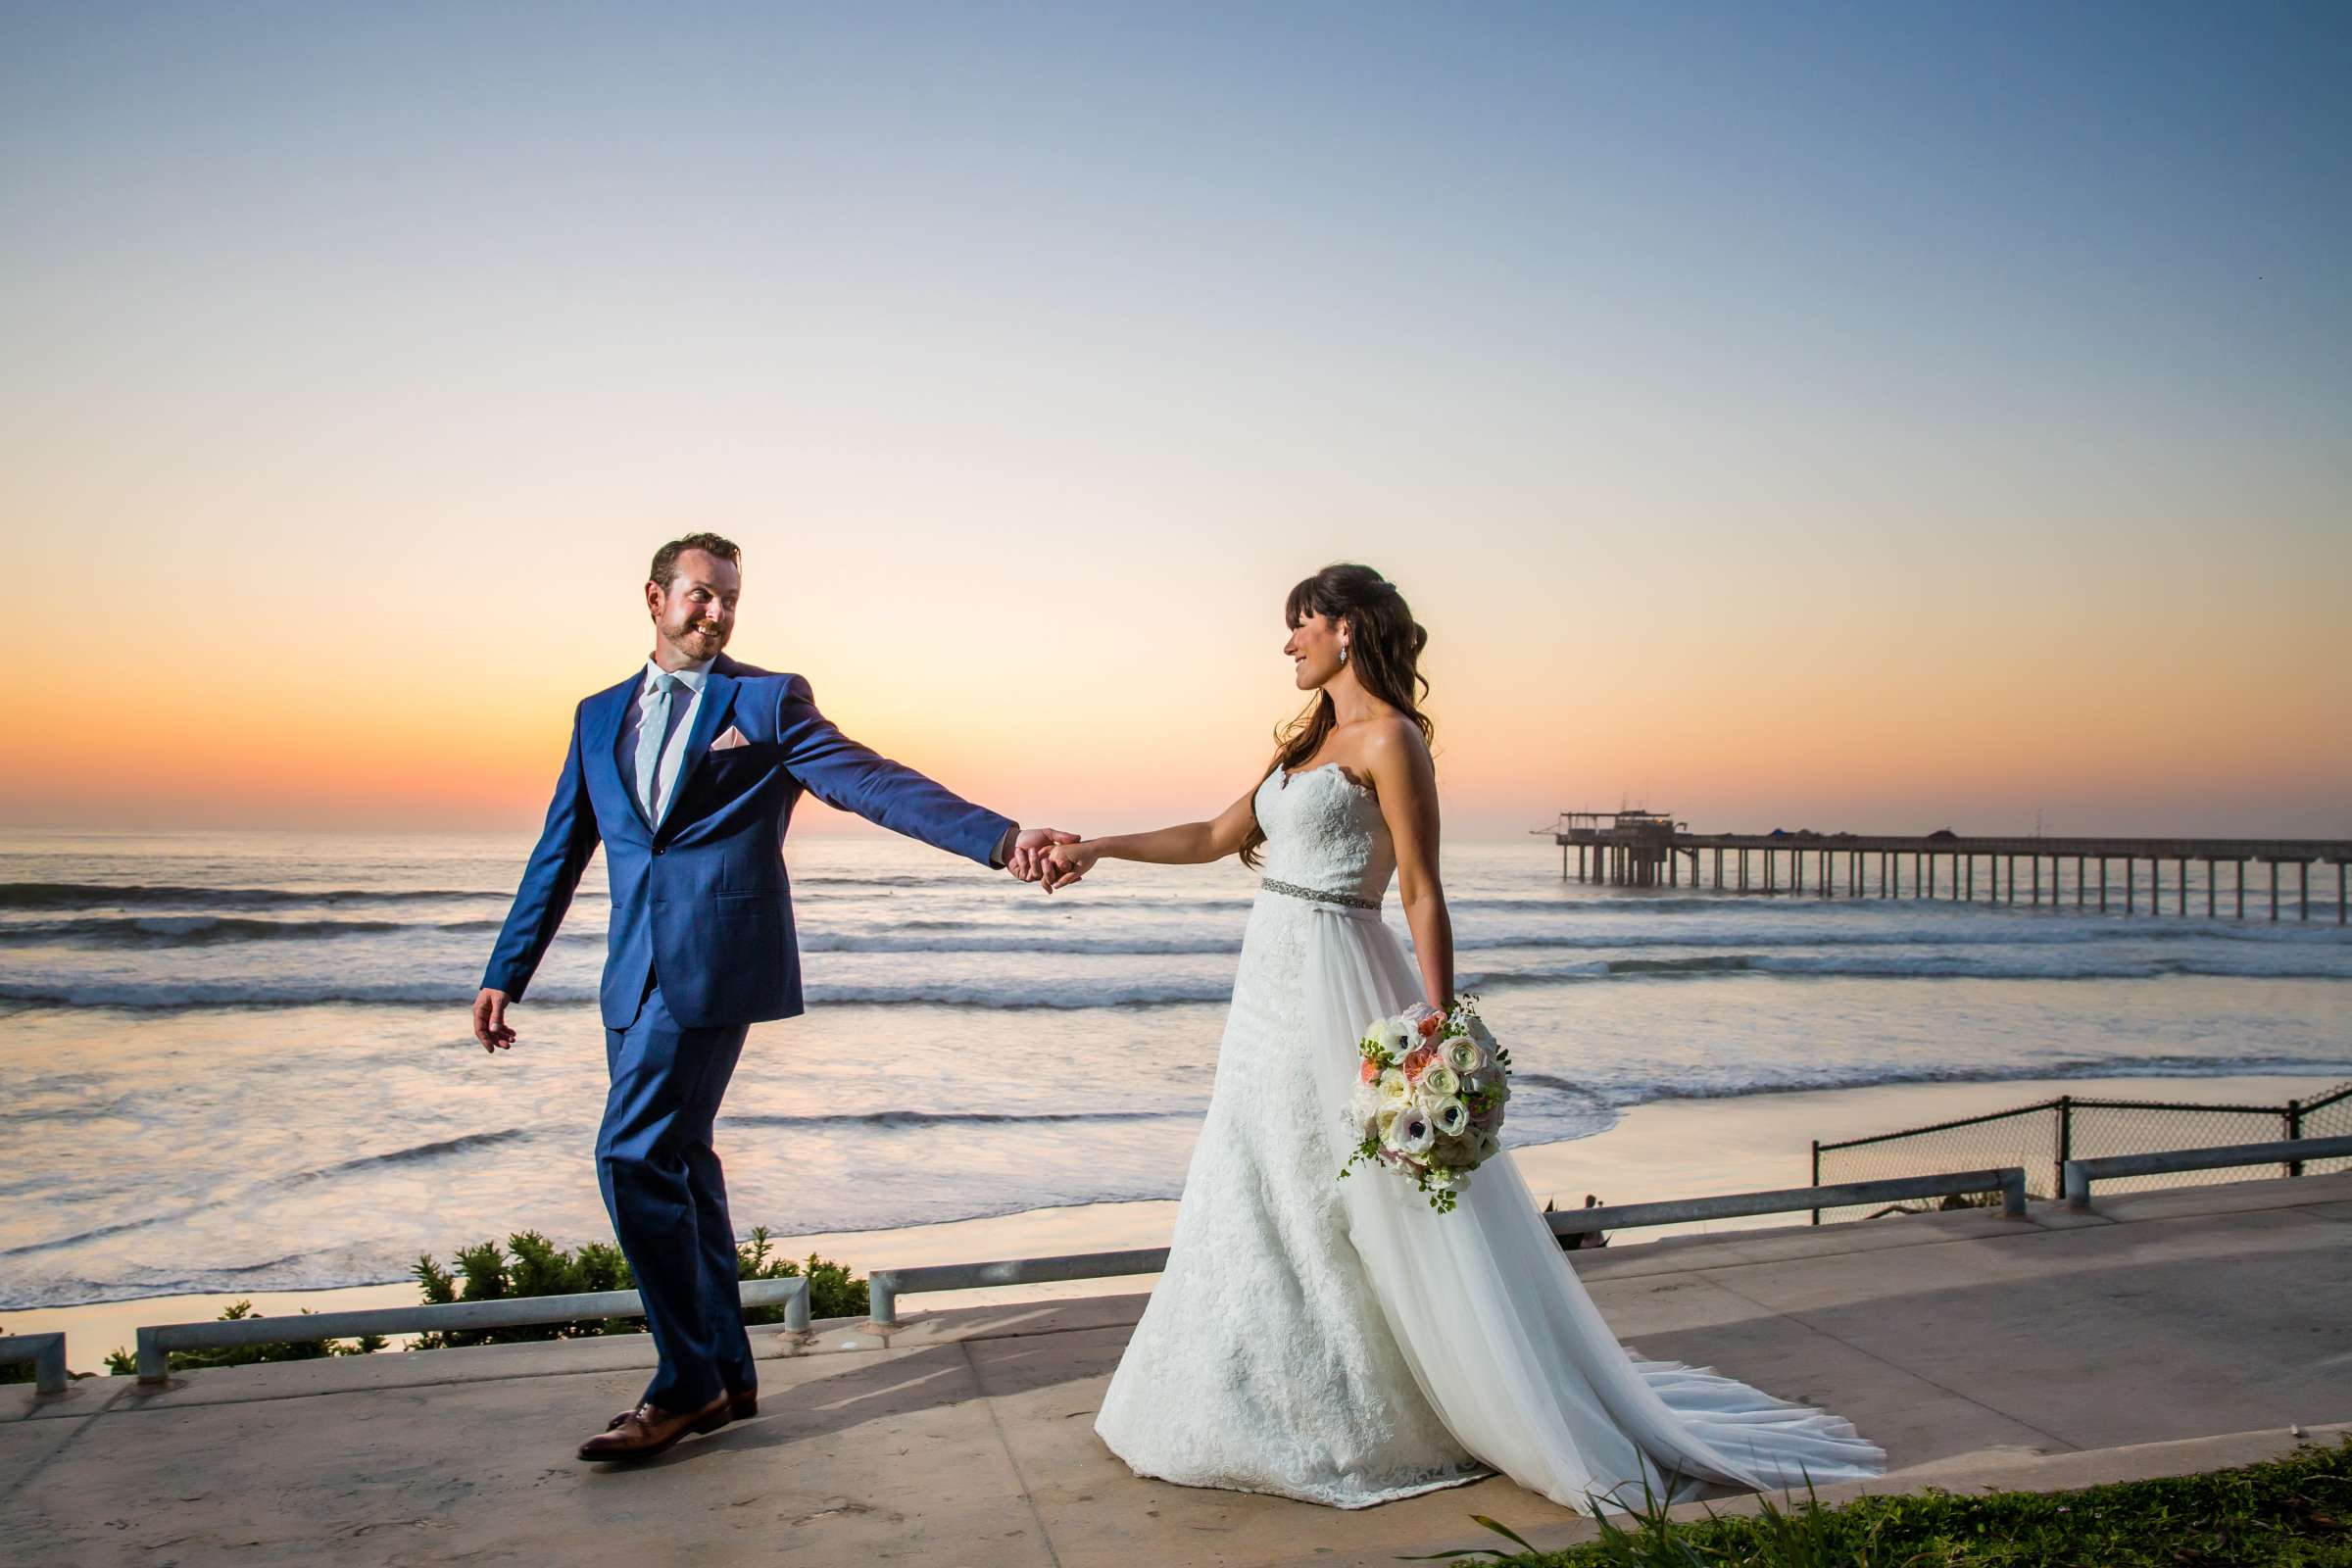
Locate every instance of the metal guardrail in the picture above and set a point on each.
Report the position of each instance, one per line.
(885, 1285)
(46, 1352)
(2290, 1151)
(2007, 1180)
(157, 1341)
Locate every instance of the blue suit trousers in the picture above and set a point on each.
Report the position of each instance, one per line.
(668, 1200)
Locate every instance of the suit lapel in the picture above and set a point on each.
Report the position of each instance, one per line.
(600, 734)
(718, 695)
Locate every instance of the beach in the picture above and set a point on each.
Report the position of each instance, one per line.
(238, 1065)
(1669, 1149)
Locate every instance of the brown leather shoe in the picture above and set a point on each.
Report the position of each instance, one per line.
(742, 1405)
(648, 1430)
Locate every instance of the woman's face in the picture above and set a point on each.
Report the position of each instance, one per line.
(1314, 650)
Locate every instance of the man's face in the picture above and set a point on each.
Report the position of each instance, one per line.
(695, 612)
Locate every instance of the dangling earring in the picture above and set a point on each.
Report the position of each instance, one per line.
(1343, 655)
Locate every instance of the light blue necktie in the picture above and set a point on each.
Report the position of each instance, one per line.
(653, 733)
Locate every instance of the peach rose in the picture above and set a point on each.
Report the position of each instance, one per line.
(1416, 1061)
(1431, 1023)
(1370, 1073)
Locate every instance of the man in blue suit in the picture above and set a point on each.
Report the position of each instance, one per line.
(687, 773)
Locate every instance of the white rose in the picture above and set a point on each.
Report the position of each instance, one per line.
(1394, 1090)
(1462, 1055)
(1438, 1081)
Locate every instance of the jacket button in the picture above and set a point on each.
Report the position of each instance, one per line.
(656, 848)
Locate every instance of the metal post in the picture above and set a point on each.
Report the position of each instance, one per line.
(2066, 1135)
(1816, 1181)
(2295, 1129)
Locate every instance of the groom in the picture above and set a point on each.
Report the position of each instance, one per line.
(687, 773)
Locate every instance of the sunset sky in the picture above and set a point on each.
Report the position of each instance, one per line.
(1845, 416)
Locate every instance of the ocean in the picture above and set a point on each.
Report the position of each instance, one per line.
(242, 1062)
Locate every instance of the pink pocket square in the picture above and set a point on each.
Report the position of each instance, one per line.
(729, 740)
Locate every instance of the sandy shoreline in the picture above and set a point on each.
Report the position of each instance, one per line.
(1662, 1150)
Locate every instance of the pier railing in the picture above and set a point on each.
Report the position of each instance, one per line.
(2046, 1134)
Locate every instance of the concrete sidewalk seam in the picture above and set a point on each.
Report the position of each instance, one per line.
(1012, 1459)
(1910, 1372)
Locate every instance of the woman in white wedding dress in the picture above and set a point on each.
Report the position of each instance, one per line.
(1340, 1341)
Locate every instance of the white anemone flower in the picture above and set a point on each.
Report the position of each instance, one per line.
(1415, 1134)
(1449, 1116)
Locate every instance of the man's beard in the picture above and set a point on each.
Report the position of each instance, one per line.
(701, 638)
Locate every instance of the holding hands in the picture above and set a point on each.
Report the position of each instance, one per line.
(1049, 855)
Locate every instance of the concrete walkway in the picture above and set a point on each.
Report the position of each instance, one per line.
(2170, 1332)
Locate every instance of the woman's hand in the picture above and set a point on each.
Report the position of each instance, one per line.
(1066, 863)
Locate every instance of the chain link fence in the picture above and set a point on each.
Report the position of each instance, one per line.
(2042, 1137)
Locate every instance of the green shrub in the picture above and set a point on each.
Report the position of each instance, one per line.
(833, 1292)
(529, 1264)
(19, 1372)
(123, 1363)
(537, 1267)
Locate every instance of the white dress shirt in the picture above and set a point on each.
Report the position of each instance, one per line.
(683, 705)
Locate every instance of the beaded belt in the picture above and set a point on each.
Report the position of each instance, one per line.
(1353, 901)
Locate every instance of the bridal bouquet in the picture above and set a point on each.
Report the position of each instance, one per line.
(1429, 1097)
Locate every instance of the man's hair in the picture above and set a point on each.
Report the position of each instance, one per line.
(666, 559)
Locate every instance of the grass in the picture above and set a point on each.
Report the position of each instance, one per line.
(2294, 1512)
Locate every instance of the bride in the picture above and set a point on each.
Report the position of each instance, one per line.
(1340, 1341)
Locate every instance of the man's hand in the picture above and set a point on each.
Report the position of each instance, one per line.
(490, 1020)
(1028, 861)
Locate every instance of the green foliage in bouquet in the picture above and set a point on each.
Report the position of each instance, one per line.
(123, 1363)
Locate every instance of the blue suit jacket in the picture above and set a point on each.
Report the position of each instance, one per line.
(701, 898)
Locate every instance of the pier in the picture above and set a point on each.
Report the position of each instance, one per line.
(1651, 849)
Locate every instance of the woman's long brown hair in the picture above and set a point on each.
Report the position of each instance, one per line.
(1384, 644)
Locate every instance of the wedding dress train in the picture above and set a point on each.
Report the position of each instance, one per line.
(1341, 1342)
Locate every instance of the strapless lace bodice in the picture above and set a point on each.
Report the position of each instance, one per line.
(1324, 831)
